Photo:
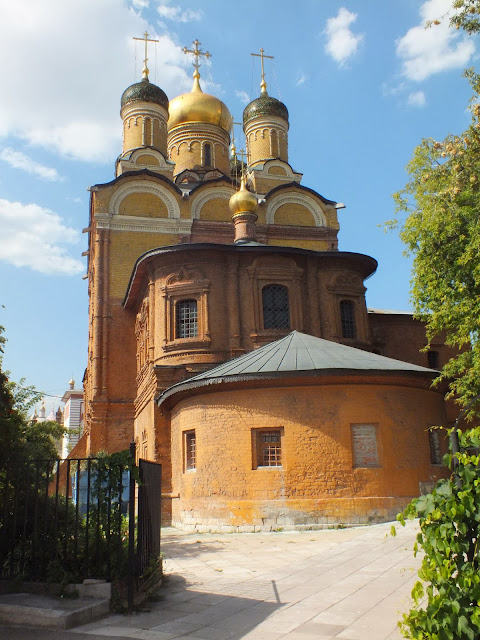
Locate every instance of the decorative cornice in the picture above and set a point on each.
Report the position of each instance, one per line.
(145, 225)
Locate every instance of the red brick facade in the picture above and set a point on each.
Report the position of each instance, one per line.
(161, 244)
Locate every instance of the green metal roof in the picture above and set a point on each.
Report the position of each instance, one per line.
(295, 353)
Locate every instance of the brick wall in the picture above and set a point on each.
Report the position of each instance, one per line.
(317, 482)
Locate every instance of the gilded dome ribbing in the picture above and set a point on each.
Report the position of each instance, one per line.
(144, 91)
(264, 106)
(197, 106)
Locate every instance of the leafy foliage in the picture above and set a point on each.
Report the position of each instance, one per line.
(448, 607)
(20, 438)
(442, 232)
(65, 523)
(466, 15)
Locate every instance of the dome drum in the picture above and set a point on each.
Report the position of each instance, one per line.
(266, 139)
(144, 126)
(194, 146)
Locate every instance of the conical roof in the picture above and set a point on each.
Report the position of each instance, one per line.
(295, 353)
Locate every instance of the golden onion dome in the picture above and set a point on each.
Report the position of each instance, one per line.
(243, 201)
(197, 106)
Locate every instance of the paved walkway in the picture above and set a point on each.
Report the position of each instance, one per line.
(347, 583)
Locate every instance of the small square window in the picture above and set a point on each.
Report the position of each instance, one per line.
(268, 447)
(190, 450)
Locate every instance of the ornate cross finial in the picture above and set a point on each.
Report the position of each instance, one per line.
(145, 60)
(242, 155)
(233, 147)
(196, 54)
(261, 55)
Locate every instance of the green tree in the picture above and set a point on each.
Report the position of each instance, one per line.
(447, 595)
(441, 230)
(20, 437)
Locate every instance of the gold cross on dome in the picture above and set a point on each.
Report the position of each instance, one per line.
(242, 155)
(261, 55)
(196, 54)
(145, 60)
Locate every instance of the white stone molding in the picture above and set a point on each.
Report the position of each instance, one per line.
(296, 198)
(265, 167)
(145, 225)
(209, 194)
(160, 160)
(142, 186)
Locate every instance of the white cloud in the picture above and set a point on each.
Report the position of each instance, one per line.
(243, 96)
(68, 98)
(417, 99)
(140, 4)
(178, 14)
(19, 160)
(425, 52)
(342, 43)
(34, 237)
(301, 79)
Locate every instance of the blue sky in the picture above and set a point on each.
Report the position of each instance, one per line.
(363, 82)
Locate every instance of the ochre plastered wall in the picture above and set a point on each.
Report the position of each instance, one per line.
(317, 481)
(146, 205)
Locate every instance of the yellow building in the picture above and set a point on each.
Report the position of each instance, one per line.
(189, 267)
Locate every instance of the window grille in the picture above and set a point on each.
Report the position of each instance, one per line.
(186, 319)
(347, 316)
(435, 447)
(207, 156)
(433, 359)
(190, 451)
(269, 448)
(276, 311)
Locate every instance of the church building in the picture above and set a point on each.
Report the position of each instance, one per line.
(229, 336)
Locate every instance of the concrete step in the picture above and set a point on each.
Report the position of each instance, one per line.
(50, 612)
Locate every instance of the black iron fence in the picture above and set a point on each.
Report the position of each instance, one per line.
(67, 520)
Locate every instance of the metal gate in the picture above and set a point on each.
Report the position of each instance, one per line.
(67, 520)
(149, 513)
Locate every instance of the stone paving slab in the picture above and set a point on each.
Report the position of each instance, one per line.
(350, 584)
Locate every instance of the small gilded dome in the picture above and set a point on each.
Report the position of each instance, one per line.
(243, 201)
(264, 106)
(144, 91)
(197, 106)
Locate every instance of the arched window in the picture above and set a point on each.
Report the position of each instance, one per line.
(347, 317)
(276, 311)
(274, 144)
(186, 319)
(433, 360)
(207, 155)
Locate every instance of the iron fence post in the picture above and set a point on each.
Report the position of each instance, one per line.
(131, 536)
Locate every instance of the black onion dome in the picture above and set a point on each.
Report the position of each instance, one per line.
(144, 91)
(263, 106)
